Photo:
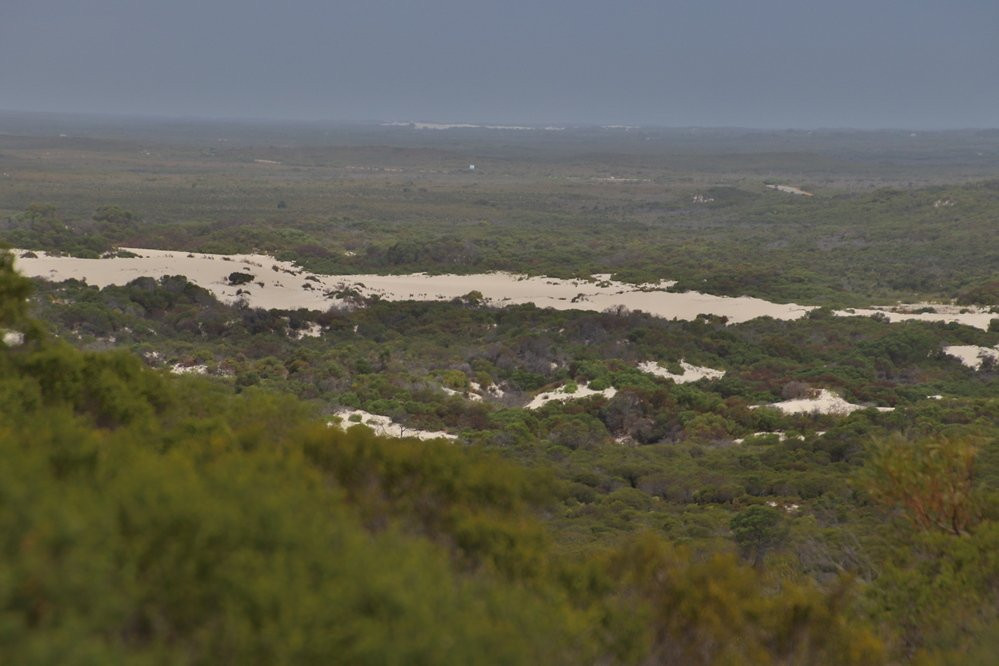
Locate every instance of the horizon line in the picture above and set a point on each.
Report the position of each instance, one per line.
(446, 125)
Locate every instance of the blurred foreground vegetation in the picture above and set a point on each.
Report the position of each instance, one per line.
(149, 518)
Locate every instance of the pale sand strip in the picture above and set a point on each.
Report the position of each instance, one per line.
(384, 426)
(561, 395)
(691, 373)
(283, 285)
(972, 356)
(826, 402)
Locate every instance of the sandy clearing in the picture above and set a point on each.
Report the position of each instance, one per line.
(781, 436)
(789, 189)
(973, 356)
(691, 373)
(789, 508)
(313, 330)
(468, 395)
(560, 395)
(181, 369)
(284, 285)
(975, 317)
(493, 390)
(826, 402)
(384, 426)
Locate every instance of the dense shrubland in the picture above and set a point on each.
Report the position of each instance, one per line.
(157, 518)
(150, 518)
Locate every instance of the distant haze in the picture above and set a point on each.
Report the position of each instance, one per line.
(760, 63)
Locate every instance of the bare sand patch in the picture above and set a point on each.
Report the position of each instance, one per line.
(468, 395)
(973, 356)
(383, 425)
(826, 402)
(282, 285)
(977, 317)
(691, 373)
(313, 330)
(561, 395)
(181, 369)
(12, 338)
(790, 189)
(275, 284)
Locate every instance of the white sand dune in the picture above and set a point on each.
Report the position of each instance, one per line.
(789, 189)
(313, 330)
(12, 338)
(691, 373)
(975, 317)
(181, 369)
(492, 390)
(826, 402)
(780, 434)
(468, 395)
(284, 285)
(560, 395)
(973, 356)
(384, 426)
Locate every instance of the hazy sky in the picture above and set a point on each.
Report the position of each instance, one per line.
(761, 63)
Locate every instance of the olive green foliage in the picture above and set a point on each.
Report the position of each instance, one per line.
(677, 473)
(930, 479)
(151, 519)
(709, 612)
(757, 530)
(14, 291)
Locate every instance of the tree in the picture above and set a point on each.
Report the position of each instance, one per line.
(757, 531)
(14, 291)
(929, 479)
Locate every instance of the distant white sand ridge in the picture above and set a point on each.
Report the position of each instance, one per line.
(973, 356)
(561, 394)
(824, 402)
(691, 373)
(265, 282)
(383, 425)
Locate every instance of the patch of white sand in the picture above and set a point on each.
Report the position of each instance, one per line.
(13, 338)
(384, 426)
(561, 395)
(973, 356)
(781, 436)
(493, 390)
(970, 316)
(468, 395)
(826, 402)
(313, 330)
(181, 369)
(283, 285)
(789, 189)
(691, 373)
(790, 508)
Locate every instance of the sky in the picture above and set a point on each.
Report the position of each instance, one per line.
(747, 63)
